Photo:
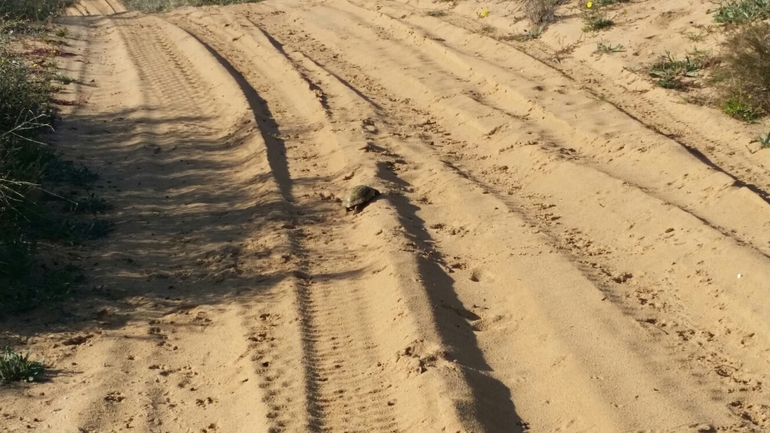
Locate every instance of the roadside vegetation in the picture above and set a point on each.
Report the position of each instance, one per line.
(541, 12)
(744, 72)
(739, 72)
(164, 5)
(743, 75)
(45, 201)
(742, 11)
(15, 367)
(595, 18)
(671, 72)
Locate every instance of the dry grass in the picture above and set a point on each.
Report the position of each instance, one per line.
(745, 71)
(541, 12)
(164, 5)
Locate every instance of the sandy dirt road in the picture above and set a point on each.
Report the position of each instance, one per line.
(541, 259)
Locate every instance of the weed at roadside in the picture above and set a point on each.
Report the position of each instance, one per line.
(601, 3)
(165, 5)
(32, 10)
(670, 72)
(602, 48)
(522, 37)
(764, 140)
(695, 37)
(742, 11)
(488, 30)
(436, 13)
(30, 171)
(595, 19)
(17, 367)
(739, 106)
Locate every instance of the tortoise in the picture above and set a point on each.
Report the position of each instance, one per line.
(357, 197)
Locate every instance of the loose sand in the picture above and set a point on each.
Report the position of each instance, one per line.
(557, 248)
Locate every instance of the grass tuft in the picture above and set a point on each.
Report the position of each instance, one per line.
(739, 106)
(16, 367)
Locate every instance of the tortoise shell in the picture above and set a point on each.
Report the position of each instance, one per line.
(358, 195)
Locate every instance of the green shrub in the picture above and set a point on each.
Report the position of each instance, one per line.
(34, 10)
(26, 216)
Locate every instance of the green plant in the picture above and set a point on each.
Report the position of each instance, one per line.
(31, 10)
(28, 169)
(62, 32)
(602, 48)
(669, 72)
(64, 79)
(15, 367)
(740, 107)
(595, 19)
(764, 140)
(742, 11)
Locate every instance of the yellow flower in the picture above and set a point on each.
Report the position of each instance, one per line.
(589, 5)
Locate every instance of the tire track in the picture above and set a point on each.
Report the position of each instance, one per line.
(488, 123)
(180, 146)
(696, 268)
(627, 150)
(693, 129)
(344, 353)
(333, 58)
(495, 270)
